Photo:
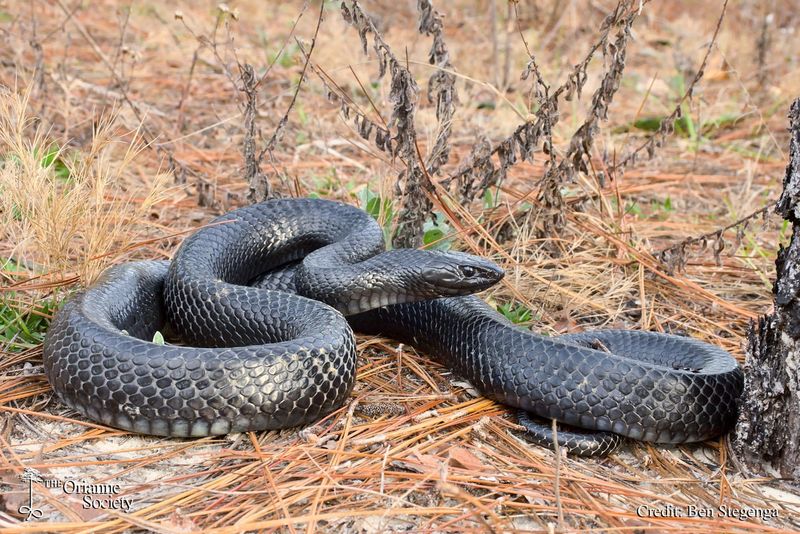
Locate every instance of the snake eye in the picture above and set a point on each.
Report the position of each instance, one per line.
(468, 271)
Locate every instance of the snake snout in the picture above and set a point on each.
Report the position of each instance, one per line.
(457, 273)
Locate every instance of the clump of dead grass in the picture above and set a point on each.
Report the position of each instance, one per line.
(68, 212)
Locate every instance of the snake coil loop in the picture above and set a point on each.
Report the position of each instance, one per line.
(263, 356)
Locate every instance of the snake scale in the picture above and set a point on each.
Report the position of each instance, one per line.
(259, 298)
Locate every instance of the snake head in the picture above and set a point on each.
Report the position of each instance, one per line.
(457, 273)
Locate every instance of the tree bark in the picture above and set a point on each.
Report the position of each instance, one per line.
(767, 436)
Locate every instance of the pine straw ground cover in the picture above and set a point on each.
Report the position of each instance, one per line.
(122, 94)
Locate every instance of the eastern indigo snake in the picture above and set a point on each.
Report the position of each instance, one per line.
(260, 356)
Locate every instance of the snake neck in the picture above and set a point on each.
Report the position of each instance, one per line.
(391, 277)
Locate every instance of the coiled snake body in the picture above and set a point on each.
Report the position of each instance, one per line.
(264, 357)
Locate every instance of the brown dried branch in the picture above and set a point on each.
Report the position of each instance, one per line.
(178, 169)
(656, 140)
(365, 126)
(578, 154)
(674, 257)
(282, 123)
(479, 172)
(38, 53)
(259, 187)
(224, 15)
(442, 83)
(763, 44)
(403, 94)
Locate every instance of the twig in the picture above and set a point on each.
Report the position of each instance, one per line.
(557, 478)
(178, 169)
(258, 186)
(442, 82)
(282, 123)
(578, 154)
(656, 140)
(674, 256)
(223, 13)
(283, 45)
(185, 90)
(403, 94)
(479, 172)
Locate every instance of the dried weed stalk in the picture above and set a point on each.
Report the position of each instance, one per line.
(66, 209)
(667, 126)
(578, 155)
(441, 85)
(480, 172)
(398, 137)
(675, 256)
(258, 185)
(404, 94)
(763, 45)
(177, 169)
(224, 17)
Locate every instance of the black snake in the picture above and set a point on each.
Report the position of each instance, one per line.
(261, 356)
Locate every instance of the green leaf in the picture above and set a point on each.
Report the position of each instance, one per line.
(22, 327)
(723, 121)
(301, 114)
(379, 208)
(648, 124)
(633, 208)
(50, 156)
(516, 313)
(432, 236)
(158, 338)
(434, 233)
(374, 207)
(489, 199)
(52, 159)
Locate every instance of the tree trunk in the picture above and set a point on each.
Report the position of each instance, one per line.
(768, 431)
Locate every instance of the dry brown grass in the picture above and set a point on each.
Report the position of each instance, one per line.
(415, 449)
(68, 211)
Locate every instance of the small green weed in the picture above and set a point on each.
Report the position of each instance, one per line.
(379, 208)
(52, 158)
(490, 199)
(632, 208)
(22, 326)
(514, 312)
(434, 233)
